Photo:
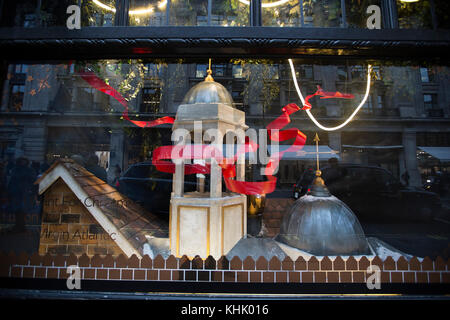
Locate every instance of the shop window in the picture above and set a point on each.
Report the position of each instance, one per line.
(228, 13)
(426, 75)
(21, 68)
(380, 102)
(94, 15)
(442, 9)
(414, 15)
(367, 146)
(20, 13)
(356, 12)
(151, 98)
(358, 73)
(237, 71)
(307, 72)
(53, 13)
(219, 70)
(200, 72)
(430, 101)
(16, 97)
(368, 106)
(342, 73)
(49, 13)
(286, 14)
(325, 13)
(147, 12)
(189, 13)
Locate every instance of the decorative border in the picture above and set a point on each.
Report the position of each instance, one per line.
(124, 41)
(324, 270)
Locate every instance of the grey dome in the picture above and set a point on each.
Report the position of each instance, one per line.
(208, 92)
(323, 226)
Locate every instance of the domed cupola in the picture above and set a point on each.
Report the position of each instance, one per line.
(321, 224)
(208, 91)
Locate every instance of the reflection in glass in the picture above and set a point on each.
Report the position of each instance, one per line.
(356, 12)
(69, 117)
(189, 13)
(93, 15)
(442, 8)
(53, 13)
(322, 13)
(19, 13)
(284, 15)
(414, 15)
(147, 12)
(201, 71)
(232, 13)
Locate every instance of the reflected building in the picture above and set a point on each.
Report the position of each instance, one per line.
(48, 110)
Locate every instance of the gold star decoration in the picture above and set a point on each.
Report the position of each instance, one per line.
(43, 83)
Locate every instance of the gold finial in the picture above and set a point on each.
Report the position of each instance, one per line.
(316, 140)
(209, 72)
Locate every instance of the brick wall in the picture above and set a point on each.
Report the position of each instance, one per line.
(313, 270)
(69, 228)
(273, 214)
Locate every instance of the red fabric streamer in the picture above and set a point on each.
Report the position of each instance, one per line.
(189, 152)
(325, 95)
(100, 85)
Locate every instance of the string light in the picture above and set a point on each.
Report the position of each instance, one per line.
(163, 3)
(104, 6)
(308, 112)
(136, 12)
(267, 5)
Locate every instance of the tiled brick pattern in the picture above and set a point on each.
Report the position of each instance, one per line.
(68, 228)
(274, 210)
(325, 270)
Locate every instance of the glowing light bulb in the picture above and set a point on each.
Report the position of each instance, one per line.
(131, 12)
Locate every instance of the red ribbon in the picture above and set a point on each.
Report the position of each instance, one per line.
(325, 95)
(163, 153)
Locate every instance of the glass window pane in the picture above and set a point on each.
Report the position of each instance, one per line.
(201, 71)
(98, 14)
(326, 13)
(62, 115)
(424, 75)
(189, 13)
(232, 13)
(356, 12)
(443, 13)
(147, 12)
(20, 13)
(53, 13)
(414, 15)
(237, 72)
(276, 13)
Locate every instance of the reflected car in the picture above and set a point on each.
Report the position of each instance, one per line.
(373, 193)
(151, 188)
(439, 183)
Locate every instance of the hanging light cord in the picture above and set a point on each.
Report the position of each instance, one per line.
(308, 112)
